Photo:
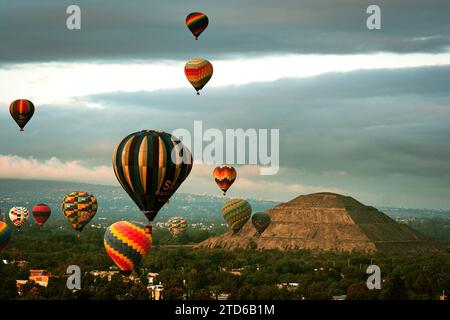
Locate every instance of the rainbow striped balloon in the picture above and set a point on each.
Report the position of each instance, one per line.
(127, 244)
(236, 213)
(18, 216)
(5, 235)
(197, 22)
(21, 110)
(198, 72)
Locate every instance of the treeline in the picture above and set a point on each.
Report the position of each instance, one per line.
(205, 274)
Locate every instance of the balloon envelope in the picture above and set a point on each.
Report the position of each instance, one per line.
(236, 213)
(177, 226)
(224, 175)
(197, 22)
(21, 111)
(144, 167)
(41, 213)
(261, 221)
(198, 72)
(79, 207)
(18, 216)
(126, 244)
(5, 235)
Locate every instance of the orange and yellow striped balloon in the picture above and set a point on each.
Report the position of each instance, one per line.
(198, 72)
(127, 244)
(224, 175)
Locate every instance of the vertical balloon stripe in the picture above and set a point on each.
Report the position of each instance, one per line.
(143, 152)
(135, 170)
(125, 161)
(161, 164)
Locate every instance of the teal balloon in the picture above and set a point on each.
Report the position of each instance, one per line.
(261, 221)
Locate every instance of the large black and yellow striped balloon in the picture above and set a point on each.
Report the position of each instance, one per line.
(151, 165)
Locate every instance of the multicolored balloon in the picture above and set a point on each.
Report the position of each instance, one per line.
(150, 166)
(177, 226)
(127, 244)
(198, 72)
(79, 207)
(21, 110)
(197, 22)
(236, 213)
(5, 235)
(41, 213)
(261, 221)
(225, 176)
(18, 216)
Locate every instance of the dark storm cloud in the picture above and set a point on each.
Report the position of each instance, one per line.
(35, 30)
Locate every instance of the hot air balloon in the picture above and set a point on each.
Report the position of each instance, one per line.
(261, 221)
(198, 72)
(18, 216)
(177, 226)
(224, 176)
(150, 166)
(126, 244)
(21, 110)
(79, 207)
(236, 213)
(41, 213)
(197, 22)
(5, 235)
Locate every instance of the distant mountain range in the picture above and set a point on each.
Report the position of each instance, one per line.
(114, 203)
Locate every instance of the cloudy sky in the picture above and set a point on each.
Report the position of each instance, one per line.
(360, 112)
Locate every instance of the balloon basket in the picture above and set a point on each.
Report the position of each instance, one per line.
(126, 273)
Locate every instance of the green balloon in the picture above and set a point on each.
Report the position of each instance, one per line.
(236, 213)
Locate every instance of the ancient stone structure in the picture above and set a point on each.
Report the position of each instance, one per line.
(327, 221)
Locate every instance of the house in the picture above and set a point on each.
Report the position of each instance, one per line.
(19, 285)
(40, 277)
(104, 274)
(156, 291)
(151, 276)
(290, 286)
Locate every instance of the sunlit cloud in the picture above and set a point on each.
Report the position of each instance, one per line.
(60, 83)
(14, 167)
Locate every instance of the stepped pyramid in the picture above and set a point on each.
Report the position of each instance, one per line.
(330, 222)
